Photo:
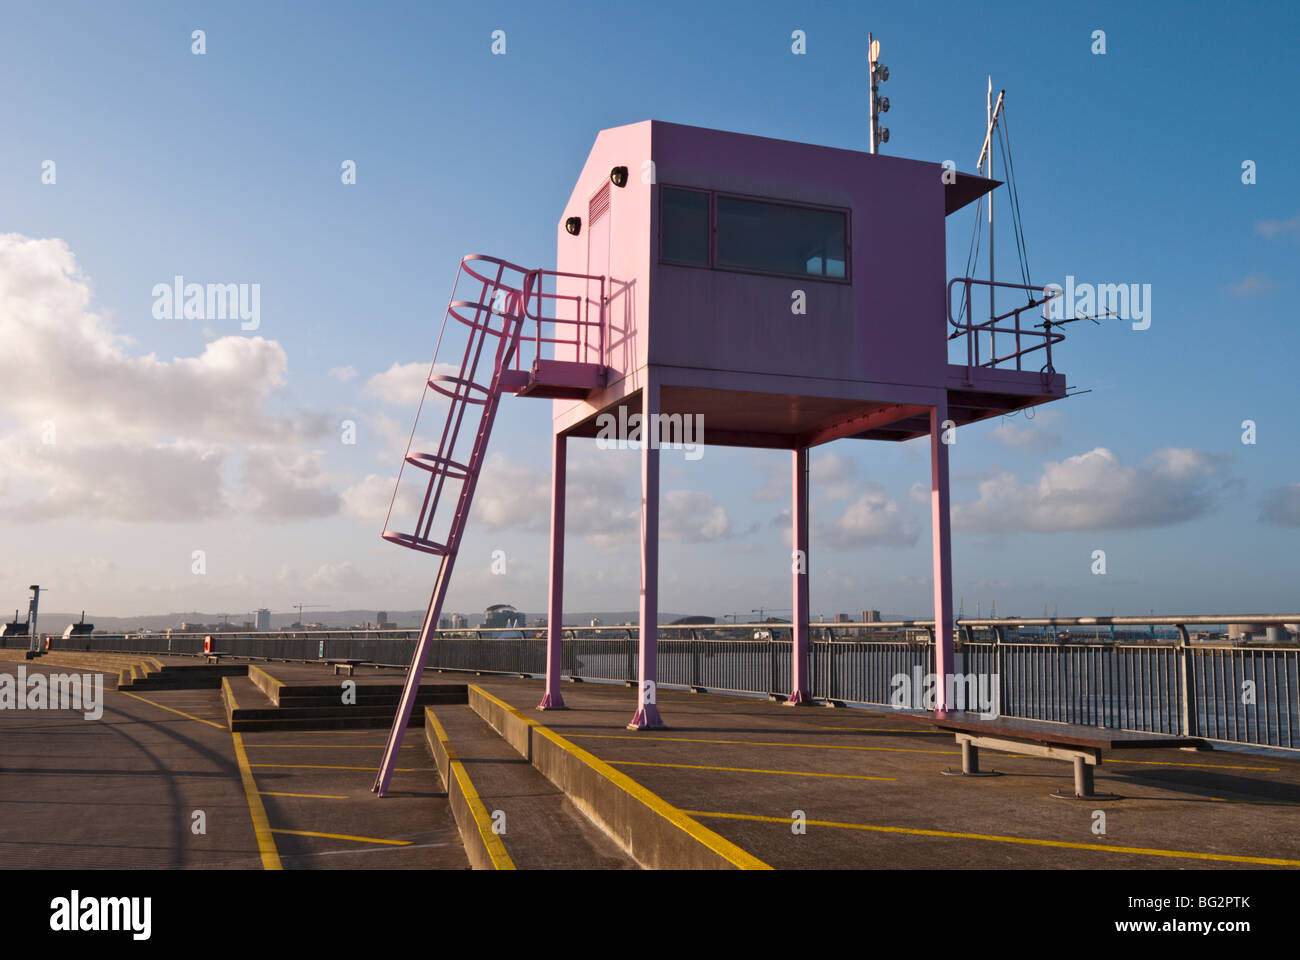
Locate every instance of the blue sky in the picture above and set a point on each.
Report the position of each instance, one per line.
(225, 168)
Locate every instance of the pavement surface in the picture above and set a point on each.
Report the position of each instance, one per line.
(158, 781)
(811, 787)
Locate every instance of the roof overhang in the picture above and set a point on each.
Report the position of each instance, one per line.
(967, 189)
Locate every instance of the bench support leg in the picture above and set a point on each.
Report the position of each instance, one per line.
(1083, 783)
(970, 762)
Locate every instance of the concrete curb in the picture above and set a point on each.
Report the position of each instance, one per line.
(652, 831)
(483, 847)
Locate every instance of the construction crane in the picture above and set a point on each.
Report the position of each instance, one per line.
(307, 606)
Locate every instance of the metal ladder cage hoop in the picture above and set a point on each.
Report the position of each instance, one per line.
(497, 289)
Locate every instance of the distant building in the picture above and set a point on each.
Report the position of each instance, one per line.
(503, 615)
(842, 618)
(595, 621)
(382, 621)
(444, 623)
(459, 621)
(539, 621)
(870, 616)
(263, 619)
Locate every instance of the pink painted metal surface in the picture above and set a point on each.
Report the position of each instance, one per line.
(799, 693)
(647, 710)
(552, 699)
(941, 534)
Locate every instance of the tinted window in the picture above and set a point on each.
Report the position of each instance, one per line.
(778, 238)
(685, 228)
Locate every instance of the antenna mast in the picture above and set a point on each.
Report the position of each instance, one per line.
(986, 150)
(879, 73)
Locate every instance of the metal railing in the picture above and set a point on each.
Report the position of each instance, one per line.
(972, 330)
(1124, 676)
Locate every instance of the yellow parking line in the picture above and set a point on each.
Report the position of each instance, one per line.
(1105, 848)
(1177, 763)
(330, 746)
(311, 796)
(757, 743)
(161, 706)
(345, 836)
(261, 828)
(787, 773)
(315, 766)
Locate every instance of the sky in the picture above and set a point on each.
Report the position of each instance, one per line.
(154, 464)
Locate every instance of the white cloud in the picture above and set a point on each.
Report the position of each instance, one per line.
(692, 516)
(131, 482)
(1252, 283)
(1281, 506)
(1094, 491)
(873, 519)
(343, 374)
(1278, 228)
(1030, 435)
(335, 578)
(402, 384)
(287, 484)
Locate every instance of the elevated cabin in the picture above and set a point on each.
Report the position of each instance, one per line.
(787, 292)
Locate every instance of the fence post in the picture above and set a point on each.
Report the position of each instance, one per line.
(629, 681)
(1185, 681)
(695, 663)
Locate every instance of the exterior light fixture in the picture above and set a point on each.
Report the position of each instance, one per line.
(618, 176)
(884, 104)
(884, 134)
(573, 225)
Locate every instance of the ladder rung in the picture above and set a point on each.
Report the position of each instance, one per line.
(415, 543)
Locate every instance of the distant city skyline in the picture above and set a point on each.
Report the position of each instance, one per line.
(158, 463)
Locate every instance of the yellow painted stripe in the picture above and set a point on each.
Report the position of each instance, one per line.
(757, 743)
(1178, 763)
(1027, 841)
(316, 766)
(261, 828)
(845, 746)
(160, 706)
(329, 746)
(714, 841)
(496, 850)
(310, 796)
(787, 773)
(345, 836)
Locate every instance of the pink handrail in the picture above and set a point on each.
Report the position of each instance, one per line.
(972, 330)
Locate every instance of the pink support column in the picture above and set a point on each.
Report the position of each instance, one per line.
(647, 710)
(799, 693)
(552, 699)
(939, 525)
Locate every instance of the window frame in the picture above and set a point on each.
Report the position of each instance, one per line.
(713, 195)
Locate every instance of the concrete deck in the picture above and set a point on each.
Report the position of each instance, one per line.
(761, 783)
(872, 794)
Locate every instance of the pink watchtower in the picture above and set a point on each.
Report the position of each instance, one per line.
(781, 294)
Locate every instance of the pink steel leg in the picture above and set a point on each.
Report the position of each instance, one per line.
(799, 628)
(939, 524)
(647, 711)
(552, 700)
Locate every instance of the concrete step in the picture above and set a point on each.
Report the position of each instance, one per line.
(543, 829)
(248, 708)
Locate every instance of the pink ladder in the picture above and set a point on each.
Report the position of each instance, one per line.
(499, 294)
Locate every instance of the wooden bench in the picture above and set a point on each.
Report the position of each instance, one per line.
(1081, 745)
(344, 665)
